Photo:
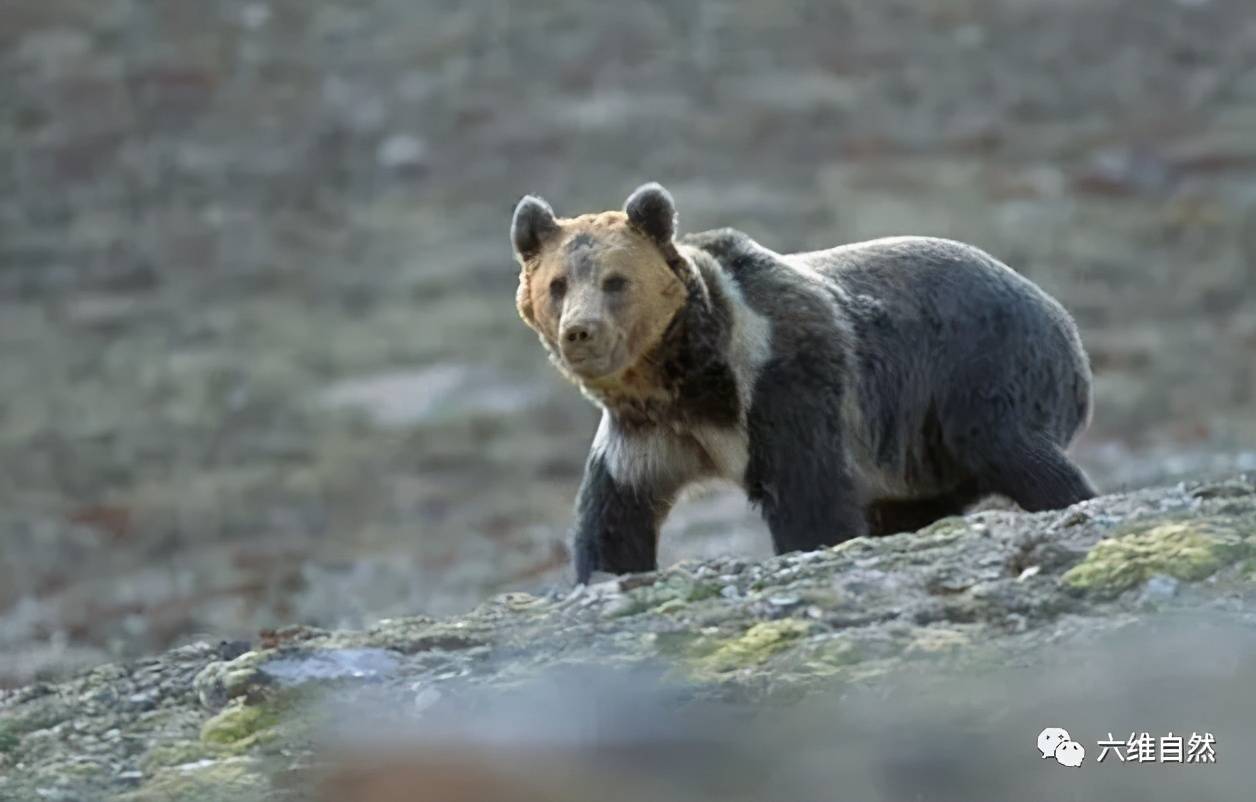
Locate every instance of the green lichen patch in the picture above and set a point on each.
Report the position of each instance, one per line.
(1247, 569)
(39, 715)
(221, 681)
(10, 733)
(754, 646)
(671, 606)
(683, 644)
(701, 591)
(1188, 551)
(669, 595)
(235, 778)
(239, 725)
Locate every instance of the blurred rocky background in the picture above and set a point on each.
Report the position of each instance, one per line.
(259, 361)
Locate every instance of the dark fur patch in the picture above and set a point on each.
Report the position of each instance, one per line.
(722, 244)
(582, 256)
(533, 222)
(892, 516)
(797, 473)
(957, 363)
(700, 370)
(652, 211)
(616, 527)
(581, 240)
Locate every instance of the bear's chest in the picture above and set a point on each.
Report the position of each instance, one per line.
(724, 451)
(674, 455)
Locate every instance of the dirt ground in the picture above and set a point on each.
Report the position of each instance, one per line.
(259, 361)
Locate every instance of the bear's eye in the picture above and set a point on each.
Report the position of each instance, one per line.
(558, 287)
(615, 284)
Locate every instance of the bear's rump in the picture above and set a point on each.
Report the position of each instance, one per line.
(940, 376)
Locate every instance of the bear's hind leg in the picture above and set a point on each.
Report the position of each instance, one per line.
(1032, 471)
(802, 522)
(891, 516)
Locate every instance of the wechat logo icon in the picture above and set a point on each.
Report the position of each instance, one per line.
(1055, 742)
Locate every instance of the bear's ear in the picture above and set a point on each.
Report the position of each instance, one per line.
(532, 224)
(651, 209)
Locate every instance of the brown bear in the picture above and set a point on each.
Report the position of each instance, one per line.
(867, 389)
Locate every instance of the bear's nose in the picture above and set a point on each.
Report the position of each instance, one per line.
(583, 332)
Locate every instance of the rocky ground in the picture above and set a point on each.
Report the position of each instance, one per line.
(258, 357)
(916, 666)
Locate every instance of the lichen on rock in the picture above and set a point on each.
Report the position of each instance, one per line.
(238, 779)
(1185, 550)
(755, 646)
(239, 725)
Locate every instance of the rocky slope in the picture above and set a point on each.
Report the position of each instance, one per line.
(928, 662)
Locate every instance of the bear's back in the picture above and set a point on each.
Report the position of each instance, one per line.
(920, 319)
(924, 284)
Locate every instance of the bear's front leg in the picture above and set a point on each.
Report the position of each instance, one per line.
(617, 526)
(797, 473)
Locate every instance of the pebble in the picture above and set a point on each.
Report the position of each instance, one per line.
(621, 605)
(426, 697)
(986, 590)
(1223, 490)
(1160, 588)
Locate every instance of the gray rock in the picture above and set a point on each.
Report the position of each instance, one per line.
(329, 664)
(1160, 588)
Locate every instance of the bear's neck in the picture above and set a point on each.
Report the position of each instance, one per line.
(685, 379)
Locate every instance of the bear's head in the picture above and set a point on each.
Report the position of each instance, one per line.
(600, 289)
